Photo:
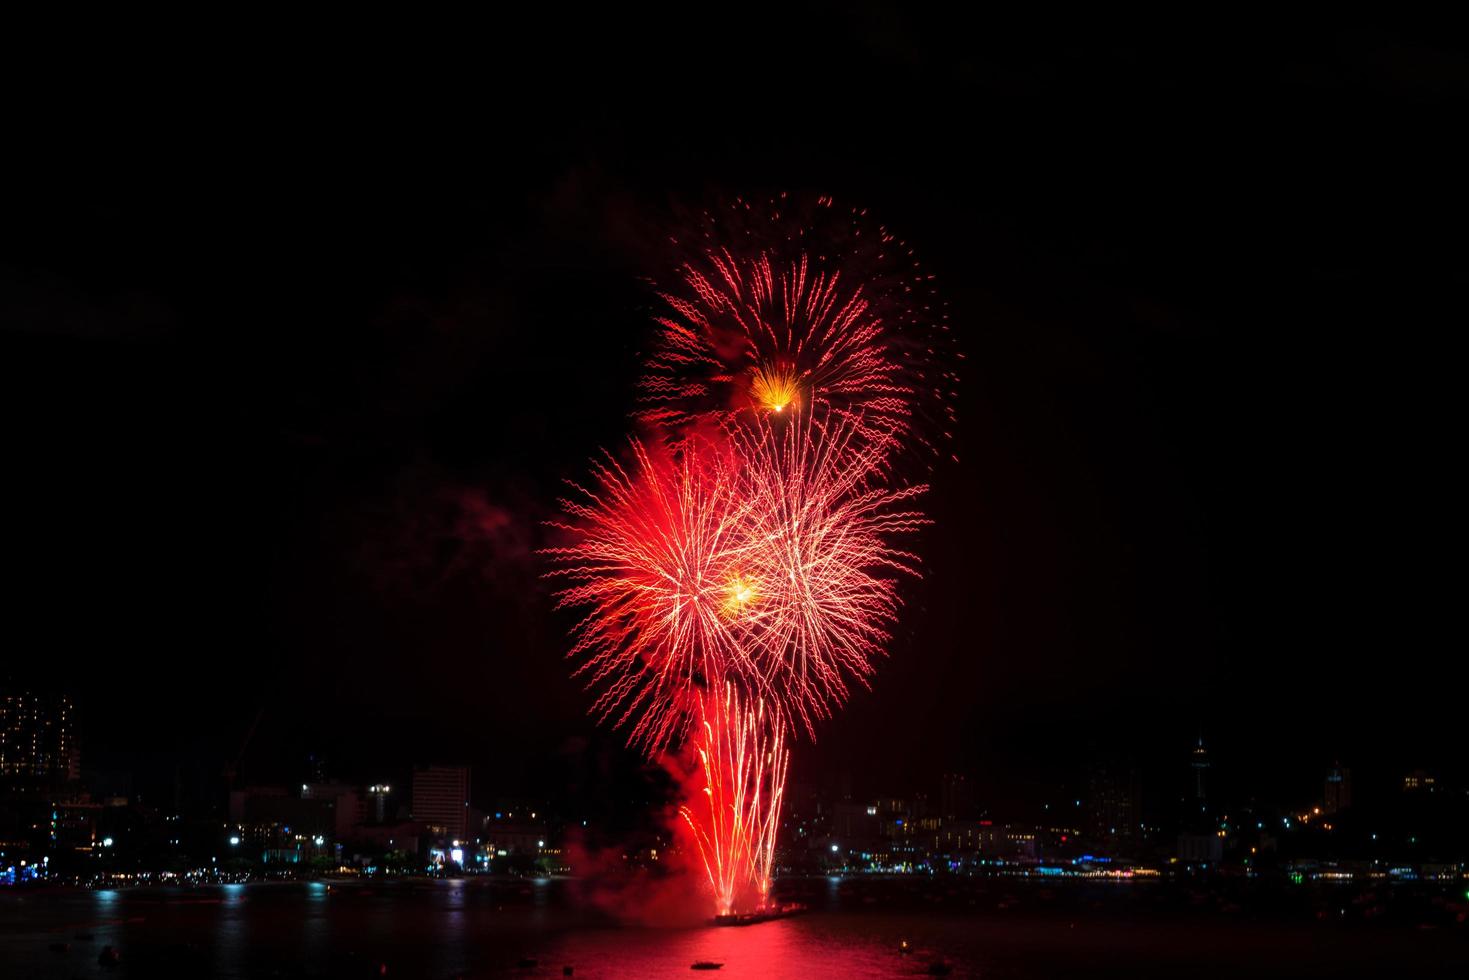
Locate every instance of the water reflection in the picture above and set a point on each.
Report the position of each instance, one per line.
(487, 928)
(811, 946)
(449, 952)
(230, 937)
(316, 934)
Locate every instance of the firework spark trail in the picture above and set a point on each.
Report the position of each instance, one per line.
(743, 759)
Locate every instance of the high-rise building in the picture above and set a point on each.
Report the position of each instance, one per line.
(955, 797)
(1338, 791)
(1113, 810)
(379, 793)
(441, 799)
(346, 802)
(38, 739)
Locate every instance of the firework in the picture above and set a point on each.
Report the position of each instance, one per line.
(741, 571)
(767, 559)
(736, 814)
(821, 523)
(814, 309)
(654, 557)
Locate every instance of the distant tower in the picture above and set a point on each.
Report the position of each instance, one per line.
(1200, 765)
(1338, 794)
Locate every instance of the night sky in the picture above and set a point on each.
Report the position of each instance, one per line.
(299, 339)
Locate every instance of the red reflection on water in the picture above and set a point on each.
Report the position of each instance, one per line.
(796, 947)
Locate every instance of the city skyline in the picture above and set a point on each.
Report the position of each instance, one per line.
(43, 723)
(76, 824)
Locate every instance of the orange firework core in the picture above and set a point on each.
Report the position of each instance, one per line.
(738, 595)
(775, 387)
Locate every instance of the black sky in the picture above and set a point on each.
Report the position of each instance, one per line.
(302, 330)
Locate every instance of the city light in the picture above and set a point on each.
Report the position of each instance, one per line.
(234, 841)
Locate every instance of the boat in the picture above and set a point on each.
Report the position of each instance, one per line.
(759, 915)
(706, 965)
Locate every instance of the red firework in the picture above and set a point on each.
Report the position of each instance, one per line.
(767, 559)
(737, 582)
(811, 310)
(822, 524)
(654, 558)
(762, 336)
(745, 571)
(742, 759)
